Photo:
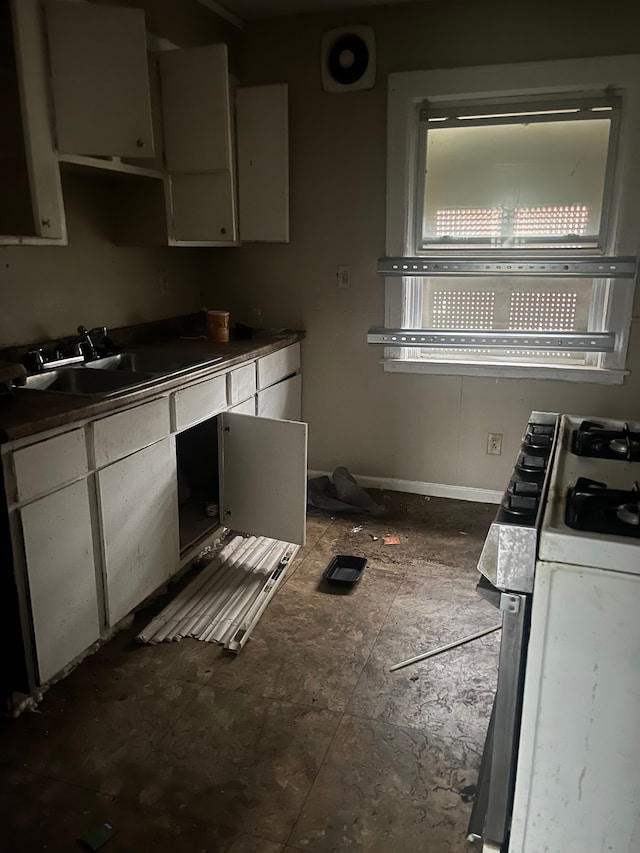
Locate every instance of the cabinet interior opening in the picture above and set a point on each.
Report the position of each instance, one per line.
(198, 482)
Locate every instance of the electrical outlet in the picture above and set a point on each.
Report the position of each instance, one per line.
(494, 443)
(163, 280)
(344, 276)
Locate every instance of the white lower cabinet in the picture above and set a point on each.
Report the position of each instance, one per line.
(246, 408)
(61, 572)
(95, 533)
(138, 504)
(283, 400)
(263, 476)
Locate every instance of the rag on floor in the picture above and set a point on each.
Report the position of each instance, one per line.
(340, 493)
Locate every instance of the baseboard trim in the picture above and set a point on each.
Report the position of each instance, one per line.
(416, 487)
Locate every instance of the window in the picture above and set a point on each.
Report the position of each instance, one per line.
(516, 178)
(508, 205)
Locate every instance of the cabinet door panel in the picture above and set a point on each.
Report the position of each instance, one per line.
(100, 80)
(263, 466)
(203, 208)
(198, 402)
(195, 107)
(62, 577)
(241, 383)
(283, 400)
(118, 435)
(42, 160)
(139, 512)
(275, 366)
(44, 466)
(246, 408)
(263, 163)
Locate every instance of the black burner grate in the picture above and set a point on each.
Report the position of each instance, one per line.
(595, 440)
(593, 507)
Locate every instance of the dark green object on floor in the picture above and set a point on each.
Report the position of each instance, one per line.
(97, 836)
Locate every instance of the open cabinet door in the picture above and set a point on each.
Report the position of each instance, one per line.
(196, 112)
(263, 476)
(262, 133)
(42, 159)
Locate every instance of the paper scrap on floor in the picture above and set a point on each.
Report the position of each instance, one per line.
(227, 598)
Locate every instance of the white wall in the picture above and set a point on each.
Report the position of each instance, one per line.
(423, 428)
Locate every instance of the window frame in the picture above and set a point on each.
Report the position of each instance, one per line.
(527, 83)
(479, 107)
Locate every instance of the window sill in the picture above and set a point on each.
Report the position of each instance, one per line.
(504, 371)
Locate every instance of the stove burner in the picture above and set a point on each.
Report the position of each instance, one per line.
(624, 446)
(593, 507)
(593, 439)
(629, 513)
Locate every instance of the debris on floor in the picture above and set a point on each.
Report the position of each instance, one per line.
(357, 529)
(225, 601)
(340, 493)
(96, 837)
(468, 793)
(454, 645)
(345, 569)
(391, 540)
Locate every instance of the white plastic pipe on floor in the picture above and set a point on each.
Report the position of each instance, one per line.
(195, 591)
(225, 601)
(246, 588)
(216, 604)
(220, 581)
(174, 607)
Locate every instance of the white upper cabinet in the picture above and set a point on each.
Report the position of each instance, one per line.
(202, 208)
(100, 80)
(31, 209)
(88, 100)
(262, 134)
(197, 118)
(198, 145)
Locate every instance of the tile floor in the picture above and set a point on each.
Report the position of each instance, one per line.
(305, 741)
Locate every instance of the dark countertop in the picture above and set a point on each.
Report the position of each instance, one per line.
(28, 412)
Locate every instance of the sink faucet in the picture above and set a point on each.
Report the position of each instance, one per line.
(85, 342)
(68, 351)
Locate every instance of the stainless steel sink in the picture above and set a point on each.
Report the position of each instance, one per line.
(157, 362)
(77, 380)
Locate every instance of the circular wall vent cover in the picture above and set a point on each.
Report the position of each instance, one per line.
(348, 59)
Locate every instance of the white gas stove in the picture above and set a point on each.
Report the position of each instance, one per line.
(591, 516)
(560, 772)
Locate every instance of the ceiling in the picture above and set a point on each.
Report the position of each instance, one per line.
(253, 10)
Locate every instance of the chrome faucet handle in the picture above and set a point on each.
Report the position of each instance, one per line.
(34, 359)
(85, 343)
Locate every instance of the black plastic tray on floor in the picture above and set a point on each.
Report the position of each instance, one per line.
(345, 569)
